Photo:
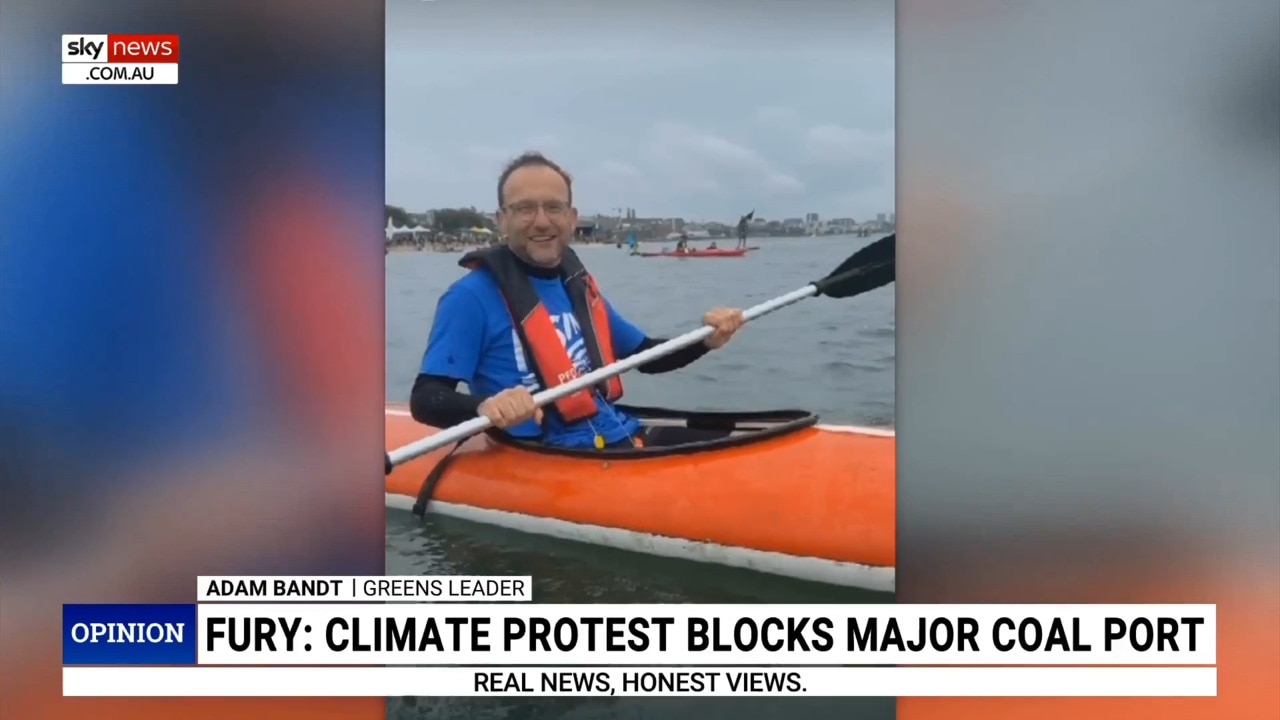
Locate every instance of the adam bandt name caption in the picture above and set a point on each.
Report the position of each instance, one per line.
(370, 588)
(525, 634)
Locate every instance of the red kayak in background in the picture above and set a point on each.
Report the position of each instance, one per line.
(706, 252)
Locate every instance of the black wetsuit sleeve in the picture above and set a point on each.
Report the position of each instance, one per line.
(674, 361)
(435, 401)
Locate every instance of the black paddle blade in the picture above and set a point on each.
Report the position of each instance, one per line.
(871, 267)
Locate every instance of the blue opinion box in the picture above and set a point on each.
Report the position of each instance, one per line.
(128, 634)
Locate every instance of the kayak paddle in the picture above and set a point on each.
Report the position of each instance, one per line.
(869, 268)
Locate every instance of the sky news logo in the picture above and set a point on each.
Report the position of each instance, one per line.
(109, 634)
(119, 59)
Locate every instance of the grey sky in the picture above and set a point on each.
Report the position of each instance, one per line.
(703, 109)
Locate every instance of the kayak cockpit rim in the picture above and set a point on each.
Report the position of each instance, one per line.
(741, 428)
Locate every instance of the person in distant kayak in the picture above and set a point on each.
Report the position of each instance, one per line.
(565, 328)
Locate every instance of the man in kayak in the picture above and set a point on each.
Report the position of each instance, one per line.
(567, 328)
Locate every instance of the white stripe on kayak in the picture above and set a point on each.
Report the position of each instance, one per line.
(832, 572)
(859, 430)
(855, 429)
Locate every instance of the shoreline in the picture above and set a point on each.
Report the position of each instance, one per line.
(394, 249)
(765, 239)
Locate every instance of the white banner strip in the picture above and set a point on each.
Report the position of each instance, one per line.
(367, 588)
(76, 73)
(657, 635)
(636, 682)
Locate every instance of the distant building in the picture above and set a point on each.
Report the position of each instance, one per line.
(811, 218)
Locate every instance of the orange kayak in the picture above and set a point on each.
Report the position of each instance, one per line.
(718, 252)
(782, 494)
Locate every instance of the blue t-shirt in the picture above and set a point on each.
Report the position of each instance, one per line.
(472, 339)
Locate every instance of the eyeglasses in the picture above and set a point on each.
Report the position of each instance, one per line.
(527, 210)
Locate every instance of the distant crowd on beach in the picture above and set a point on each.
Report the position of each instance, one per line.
(436, 241)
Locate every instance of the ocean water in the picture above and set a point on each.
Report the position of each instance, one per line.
(833, 357)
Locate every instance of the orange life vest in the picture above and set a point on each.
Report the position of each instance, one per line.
(546, 354)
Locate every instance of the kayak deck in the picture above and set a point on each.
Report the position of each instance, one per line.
(777, 493)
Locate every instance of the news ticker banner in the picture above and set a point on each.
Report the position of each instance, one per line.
(120, 59)
(478, 636)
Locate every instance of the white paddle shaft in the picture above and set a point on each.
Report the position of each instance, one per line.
(541, 399)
